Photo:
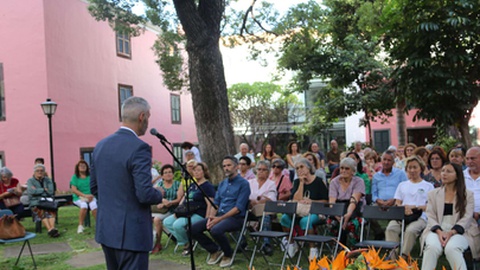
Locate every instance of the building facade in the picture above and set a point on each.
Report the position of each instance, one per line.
(56, 49)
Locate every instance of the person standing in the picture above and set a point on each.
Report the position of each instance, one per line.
(121, 180)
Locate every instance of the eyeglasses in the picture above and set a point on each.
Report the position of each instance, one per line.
(262, 169)
(39, 171)
(345, 168)
(299, 167)
(242, 163)
(276, 166)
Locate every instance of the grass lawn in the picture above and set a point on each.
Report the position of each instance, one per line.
(68, 221)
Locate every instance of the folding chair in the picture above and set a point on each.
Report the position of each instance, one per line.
(275, 207)
(382, 213)
(327, 210)
(241, 237)
(25, 239)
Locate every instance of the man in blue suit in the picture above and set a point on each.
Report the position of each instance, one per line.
(121, 180)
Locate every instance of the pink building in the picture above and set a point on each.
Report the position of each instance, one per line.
(420, 132)
(55, 49)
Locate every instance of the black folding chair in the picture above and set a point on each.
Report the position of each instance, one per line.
(327, 210)
(272, 208)
(382, 213)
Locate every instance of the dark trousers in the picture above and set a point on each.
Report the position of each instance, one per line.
(16, 209)
(119, 259)
(218, 232)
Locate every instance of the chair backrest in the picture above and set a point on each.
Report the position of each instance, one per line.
(327, 209)
(5, 212)
(281, 207)
(384, 213)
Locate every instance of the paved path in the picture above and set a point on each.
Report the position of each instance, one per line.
(89, 259)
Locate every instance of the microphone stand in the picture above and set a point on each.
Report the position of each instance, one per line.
(188, 178)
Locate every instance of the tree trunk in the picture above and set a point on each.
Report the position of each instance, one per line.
(401, 123)
(201, 23)
(465, 131)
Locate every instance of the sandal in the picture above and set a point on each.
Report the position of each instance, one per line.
(157, 248)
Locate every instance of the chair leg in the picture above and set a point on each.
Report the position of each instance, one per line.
(26, 242)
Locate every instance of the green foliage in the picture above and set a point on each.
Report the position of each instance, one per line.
(257, 108)
(435, 47)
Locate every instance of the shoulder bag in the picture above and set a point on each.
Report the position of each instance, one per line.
(47, 202)
(12, 200)
(303, 209)
(10, 227)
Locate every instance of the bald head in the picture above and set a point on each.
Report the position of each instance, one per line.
(472, 159)
(333, 144)
(244, 149)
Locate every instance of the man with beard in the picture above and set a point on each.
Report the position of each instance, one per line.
(231, 200)
(121, 180)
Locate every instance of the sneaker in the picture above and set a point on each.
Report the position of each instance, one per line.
(215, 257)
(226, 262)
(292, 249)
(80, 229)
(284, 243)
(313, 254)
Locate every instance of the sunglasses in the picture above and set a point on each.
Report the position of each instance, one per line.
(277, 166)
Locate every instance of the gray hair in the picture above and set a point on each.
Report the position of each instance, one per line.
(132, 107)
(265, 163)
(389, 152)
(38, 166)
(280, 162)
(307, 163)
(349, 162)
(6, 172)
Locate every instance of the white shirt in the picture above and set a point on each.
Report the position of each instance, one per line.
(474, 186)
(268, 189)
(155, 174)
(413, 193)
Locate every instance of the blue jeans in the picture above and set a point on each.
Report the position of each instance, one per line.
(286, 221)
(218, 232)
(178, 227)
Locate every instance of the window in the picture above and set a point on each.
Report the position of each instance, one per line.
(86, 154)
(124, 92)
(2, 95)
(178, 152)
(123, 45)
(175, 109)
(381, 139)
(2, 159)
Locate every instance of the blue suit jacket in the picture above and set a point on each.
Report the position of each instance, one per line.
(121, 180)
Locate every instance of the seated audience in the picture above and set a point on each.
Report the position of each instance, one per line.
(172, 192)
(472, 178)
(279, 175)
(82, 197)
(319, 172)
(457, 156)
(361, 173)
(244, 170)
(411, 194)
(436, 159)
(37, 187)
(315, 149)
(244, 151)
(307, 188)
(372, 164)
(261, 191)
(268, 153)
(292, 157)
(450, 228)
(349, 189)
(177, 225)
(333, 156)
(231, 201)
(10, 192)
(423, 153)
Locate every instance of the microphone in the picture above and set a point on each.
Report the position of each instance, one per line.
(155, 133)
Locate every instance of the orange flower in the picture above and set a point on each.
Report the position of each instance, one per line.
(340, 262)
(322, 264)
(374, 261)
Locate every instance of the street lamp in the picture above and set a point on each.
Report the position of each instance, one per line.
(49, 107)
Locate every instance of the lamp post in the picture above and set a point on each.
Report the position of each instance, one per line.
(49, 107)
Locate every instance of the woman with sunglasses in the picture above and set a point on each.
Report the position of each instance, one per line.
(281, 177)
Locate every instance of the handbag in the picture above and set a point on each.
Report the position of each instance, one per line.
(47, 203)
(10, 227)
(257, 210)
(155, 209)
(12, 200)
(416, 214)
(303, 209)
(181, 210)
